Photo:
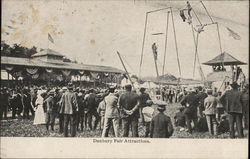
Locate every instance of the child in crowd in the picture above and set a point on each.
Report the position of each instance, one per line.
(179, 119)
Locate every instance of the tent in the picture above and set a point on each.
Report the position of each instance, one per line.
(149, 84)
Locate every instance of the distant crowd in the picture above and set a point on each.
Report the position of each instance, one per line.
(119, 110)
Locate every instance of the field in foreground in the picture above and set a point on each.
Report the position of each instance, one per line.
(25, 128)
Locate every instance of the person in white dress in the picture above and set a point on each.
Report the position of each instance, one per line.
(39, 114)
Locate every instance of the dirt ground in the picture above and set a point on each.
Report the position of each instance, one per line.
(25, 128)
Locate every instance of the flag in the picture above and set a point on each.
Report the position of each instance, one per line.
(11, 27)
(154, 48)
(50, 38)
(233, 34)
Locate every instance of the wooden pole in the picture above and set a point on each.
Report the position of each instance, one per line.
(125, 69)
(165, 49)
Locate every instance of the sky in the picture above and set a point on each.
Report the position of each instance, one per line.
(91, 32)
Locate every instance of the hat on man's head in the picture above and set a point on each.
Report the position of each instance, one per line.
(209, 91)
(70, 86)
(161, 106)
(234, 85)
(128, 86)
(52, 92)
(64, 88)
(142, 89)
(111, 88)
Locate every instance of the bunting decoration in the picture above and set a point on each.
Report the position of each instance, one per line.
(49, 70)
(9, 68)
(32, 71)
(81, 72)
(35, 76)
(94, 75)
(66, 72)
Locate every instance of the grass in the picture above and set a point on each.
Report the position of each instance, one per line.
(25, 128)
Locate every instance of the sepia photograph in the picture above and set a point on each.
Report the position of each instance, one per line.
(124, 72)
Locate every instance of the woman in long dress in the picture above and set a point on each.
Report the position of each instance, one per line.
(39, 114)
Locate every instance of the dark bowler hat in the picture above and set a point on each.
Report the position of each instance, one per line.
(234, 85)
(112, 88)
(142, 89)
(128, 86)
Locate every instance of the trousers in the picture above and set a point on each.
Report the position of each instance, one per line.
(235, 118)
(212, 124)
(130, 122)
(69, 119)
(107, 125)
(89, 118)
(190, 117)
(50, 120)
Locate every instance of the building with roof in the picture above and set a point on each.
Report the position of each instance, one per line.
(221, 76)
(49, 65)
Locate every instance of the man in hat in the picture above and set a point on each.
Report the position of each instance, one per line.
(129, 103)
(180, 119)
(245, 102)
(232, 101)
(58, 100)
(111, 113)
(92, 105)
(190, 102)
(50, 110)
(4, 103)
(210, 104)
(161, 125)
(27, 104)
(68, 109)
(201, 97)
(144, 97)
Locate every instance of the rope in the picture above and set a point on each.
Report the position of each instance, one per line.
(143, 42)
(218, 31)
(196, 16)
(196, 46)
(176, 47)
(165, 49)
(207, 12)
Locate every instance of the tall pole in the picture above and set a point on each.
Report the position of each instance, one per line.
(165, 49)
(176, 47)
(143, 42)
(154, 50)
(125, 69)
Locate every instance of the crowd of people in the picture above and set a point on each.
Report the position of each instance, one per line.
(119, 110)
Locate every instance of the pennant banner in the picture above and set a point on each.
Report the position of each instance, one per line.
(94, 75)
(32, 71)
(81, 72)
(50, 38)
(66, 72)
(9, 68)
(35, 76)
(49, 70)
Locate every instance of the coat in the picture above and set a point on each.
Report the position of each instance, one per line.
(50, 105)
(68, 103)
(191, 103)
(210, 104)
(232, 101)
(161, 126)
(111, 106)
(128, 101)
